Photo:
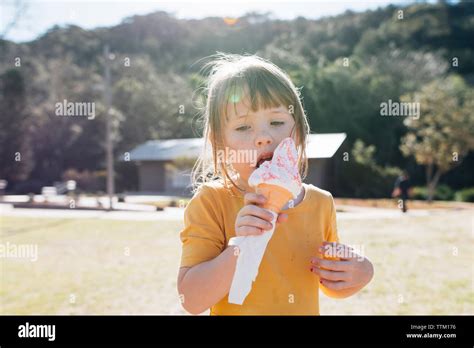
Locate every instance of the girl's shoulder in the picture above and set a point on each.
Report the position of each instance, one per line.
(216, 189)
(318, 197)
(211, 199)
(317, 193)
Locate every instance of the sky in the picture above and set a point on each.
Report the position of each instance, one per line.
(41, 15)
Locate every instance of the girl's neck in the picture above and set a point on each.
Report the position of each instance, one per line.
(243, 184)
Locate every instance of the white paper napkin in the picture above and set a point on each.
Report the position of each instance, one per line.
(250, 256)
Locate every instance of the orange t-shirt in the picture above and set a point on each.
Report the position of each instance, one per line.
(284, 284)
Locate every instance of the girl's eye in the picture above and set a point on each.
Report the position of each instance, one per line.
(277, 123)
(242, 128)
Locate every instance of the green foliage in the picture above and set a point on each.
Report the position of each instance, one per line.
(442, 193)
(465, 195)
(347, 98)
(363, 154)
(156, 96)
(155, 105)
(444, 133)
(362, 177)
(446, 124)
(15, 148)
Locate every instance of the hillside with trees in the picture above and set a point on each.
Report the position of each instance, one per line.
(347, 66)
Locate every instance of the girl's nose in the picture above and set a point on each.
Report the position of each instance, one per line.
(264, 139)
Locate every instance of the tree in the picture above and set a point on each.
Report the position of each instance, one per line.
(361, 176)
(444, 133)
(15, 150)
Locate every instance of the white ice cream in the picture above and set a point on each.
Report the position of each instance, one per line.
(282, 170)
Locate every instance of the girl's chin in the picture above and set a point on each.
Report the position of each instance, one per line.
(245, 173)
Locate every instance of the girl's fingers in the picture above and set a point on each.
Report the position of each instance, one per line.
(331, 265)
(253, 221)
(330, 275)
(282, 218)
(248, 231)
(253, 210)
(338, 285)
(253, 198)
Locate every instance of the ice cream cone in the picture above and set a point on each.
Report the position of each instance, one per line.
(278, 181)
(276, 196)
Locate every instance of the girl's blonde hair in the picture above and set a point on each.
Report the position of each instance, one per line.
(232, 77)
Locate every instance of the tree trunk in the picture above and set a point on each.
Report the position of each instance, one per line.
(429, 175)
(432, 184)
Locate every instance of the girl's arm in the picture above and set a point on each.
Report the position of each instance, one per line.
(205, 284)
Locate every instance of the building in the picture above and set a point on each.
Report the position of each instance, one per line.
(164, 166)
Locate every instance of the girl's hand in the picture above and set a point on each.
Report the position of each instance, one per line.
(351, 271)
(252, 219)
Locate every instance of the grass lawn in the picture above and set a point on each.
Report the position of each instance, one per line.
(88, 266)
(423, 265)
(393, 203)
(83, 267)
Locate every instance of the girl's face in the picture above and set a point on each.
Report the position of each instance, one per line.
(255, 135)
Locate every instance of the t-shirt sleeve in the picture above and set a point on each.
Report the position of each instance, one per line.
(330, 234)
(203, 236)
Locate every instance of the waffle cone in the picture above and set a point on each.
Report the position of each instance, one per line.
(276, 196)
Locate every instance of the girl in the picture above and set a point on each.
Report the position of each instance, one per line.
(251, 107)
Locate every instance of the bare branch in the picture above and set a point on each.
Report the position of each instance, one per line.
(20, 7)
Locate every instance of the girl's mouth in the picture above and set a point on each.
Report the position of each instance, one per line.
(264, 157)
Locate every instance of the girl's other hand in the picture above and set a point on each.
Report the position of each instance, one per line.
(350, 271)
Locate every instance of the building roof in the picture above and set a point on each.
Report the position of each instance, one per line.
(324, 145)
(318, 146)
(166, 150)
